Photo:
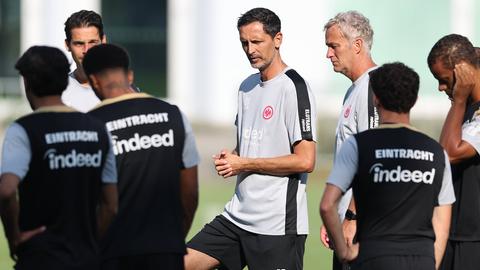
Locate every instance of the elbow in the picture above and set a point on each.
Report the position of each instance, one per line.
(307, 166)
(6, 192)
(325, 209)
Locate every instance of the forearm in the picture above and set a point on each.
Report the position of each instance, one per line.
(189, 196)
(451, 136)
(9, 213)
(283, 165)
(105, 217)
(331, 221)
(334, 229)
(108, 208)
(441, 226)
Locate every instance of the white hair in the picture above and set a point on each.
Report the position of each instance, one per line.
(353, 25)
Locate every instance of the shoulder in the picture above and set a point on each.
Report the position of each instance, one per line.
(250, 82)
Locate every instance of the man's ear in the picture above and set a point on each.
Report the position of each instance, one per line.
(130, 76)
(67, 45)
(277, 40)
(358, 45)
(93, 81)
(104, 39)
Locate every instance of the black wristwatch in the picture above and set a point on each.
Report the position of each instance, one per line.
(350, 215)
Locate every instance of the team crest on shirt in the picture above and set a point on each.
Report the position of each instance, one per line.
(267, 112)
(347, 111)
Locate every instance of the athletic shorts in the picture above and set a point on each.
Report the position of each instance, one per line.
(461, 255)
(236, 248)
(397, 262)
(156, 261)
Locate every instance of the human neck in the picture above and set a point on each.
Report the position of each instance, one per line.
(273, 69)
(360, 67)
(389, 117)
(47, 101)
(80, 76)
(118, 91)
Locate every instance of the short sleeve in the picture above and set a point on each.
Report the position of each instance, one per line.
(345, 165)
(190, 154)
(446, 194)
(109, 172)
(471, 133)
(16, 154)
(300, 126)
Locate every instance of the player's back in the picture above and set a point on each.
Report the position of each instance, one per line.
(147, 137)
(62, 186)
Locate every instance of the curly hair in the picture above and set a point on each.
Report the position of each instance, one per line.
(270, 21)
(105, 56)
(353, 25)
(396, 86)
(451, 50)
(45, 70)
(83, 18)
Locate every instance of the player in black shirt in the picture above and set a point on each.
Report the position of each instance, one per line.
(63, 165)
(454, 63)
(157, 167)
(401, 182)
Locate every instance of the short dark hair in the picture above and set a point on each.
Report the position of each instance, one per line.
(451, 50)
(83, 18)
(396, 86)
(270, 20)
(105, 56)
(45, 70)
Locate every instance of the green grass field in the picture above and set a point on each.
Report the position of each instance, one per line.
(213, 196)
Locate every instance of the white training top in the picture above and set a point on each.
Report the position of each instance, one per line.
(81, 98)
(354, 119)
(272, 116)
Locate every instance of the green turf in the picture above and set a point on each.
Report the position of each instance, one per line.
(213, 196)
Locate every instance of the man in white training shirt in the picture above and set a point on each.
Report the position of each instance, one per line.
(275, 150)
(83, 30)
(349, 37)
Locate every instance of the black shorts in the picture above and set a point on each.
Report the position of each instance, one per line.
(235, 248)
(397, 262)
(167, 261)
(461, 255)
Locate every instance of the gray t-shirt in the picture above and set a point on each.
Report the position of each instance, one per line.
(268, 125)
(346, 165)
(353, 119)
(81, 98)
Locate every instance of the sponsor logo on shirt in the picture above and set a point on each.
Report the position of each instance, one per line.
(400, 175)
(306, 122)
(72, 159)
(138, 142)
(267, 112)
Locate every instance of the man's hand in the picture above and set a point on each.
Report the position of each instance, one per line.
(324, 237)
(227, 164)
(21, 238)
(464, 81)
(352, 252)
(349, 229)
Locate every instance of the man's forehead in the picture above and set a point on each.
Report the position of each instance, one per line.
(89, 32)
